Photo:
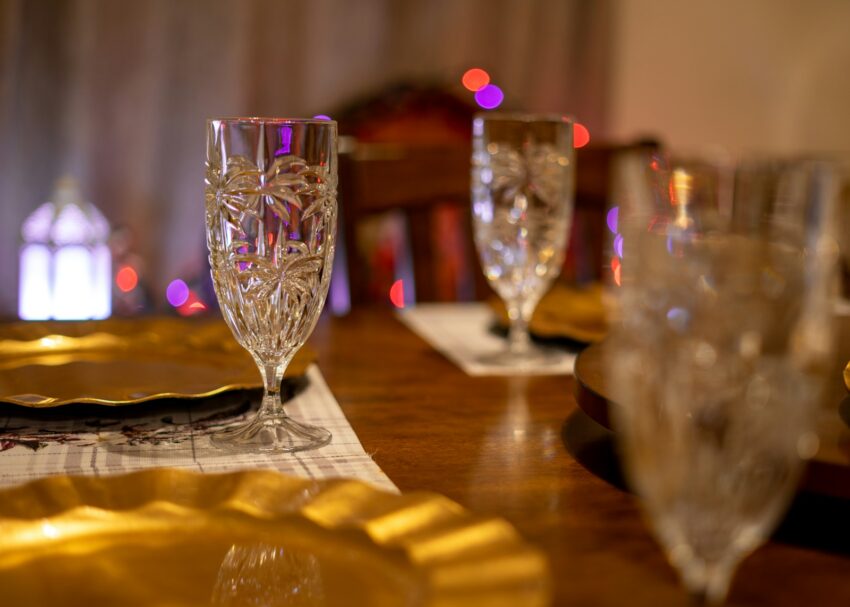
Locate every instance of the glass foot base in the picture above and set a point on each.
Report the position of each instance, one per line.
(533, 357)
(271, 433)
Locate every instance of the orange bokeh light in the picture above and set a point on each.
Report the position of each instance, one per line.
(616, 269)
(192, 305)
(581, 136)
(475, 79)
(126, 279)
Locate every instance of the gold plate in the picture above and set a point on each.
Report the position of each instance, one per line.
(566, 311)
(171, 537)
(124, 361)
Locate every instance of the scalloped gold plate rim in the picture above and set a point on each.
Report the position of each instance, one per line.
(125, 361)
(461, 558)
(45, 402)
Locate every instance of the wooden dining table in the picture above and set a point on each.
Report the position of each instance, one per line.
(521, 449)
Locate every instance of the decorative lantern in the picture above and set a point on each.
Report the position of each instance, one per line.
(65, 263)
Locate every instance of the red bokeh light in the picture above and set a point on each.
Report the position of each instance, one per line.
(397, 294)
(126, 279)
(581, 136)
(616, 268)
(475, 79)
(192, 305)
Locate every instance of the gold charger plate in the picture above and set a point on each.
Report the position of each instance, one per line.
(172, 537)
(124, 361)
(566, 311)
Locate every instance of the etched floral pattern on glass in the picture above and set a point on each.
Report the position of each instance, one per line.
(271, 225)
(522, 193)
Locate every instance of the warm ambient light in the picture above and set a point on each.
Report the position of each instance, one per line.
(397, 294)
(581, 136)
(126, 279)
(489, 97)
(475, 79)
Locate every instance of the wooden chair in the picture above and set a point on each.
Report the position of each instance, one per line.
(407, 151)
(430, 186)
(410, 157)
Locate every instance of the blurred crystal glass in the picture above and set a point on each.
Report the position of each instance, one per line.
(522, 202)
(271, 223)
(719, 356)
(270, 576)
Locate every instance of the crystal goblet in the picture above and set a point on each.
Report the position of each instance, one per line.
(522, 203)
(721, 350)
(271, 216)
(271, 576)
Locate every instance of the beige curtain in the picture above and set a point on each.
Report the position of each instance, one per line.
(115, 92)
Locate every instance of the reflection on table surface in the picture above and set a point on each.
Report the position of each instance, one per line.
(520, 448)
(514, 447)
(208, 569)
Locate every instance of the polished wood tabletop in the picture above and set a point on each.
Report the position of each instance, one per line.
(519, 448)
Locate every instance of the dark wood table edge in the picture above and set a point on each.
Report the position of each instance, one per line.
(820, 477)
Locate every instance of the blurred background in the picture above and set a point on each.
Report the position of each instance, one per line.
(104, 101)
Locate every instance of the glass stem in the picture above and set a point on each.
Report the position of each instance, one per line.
(519, 340)
(712, 586)
(272, 374)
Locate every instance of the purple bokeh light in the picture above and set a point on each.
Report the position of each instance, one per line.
(322, 117)
(285, 133)
(618, 245)
(612, 219)
(489, 97)
(177, 293)
(678, 318)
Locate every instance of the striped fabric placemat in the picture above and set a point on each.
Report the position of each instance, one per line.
(79, 440)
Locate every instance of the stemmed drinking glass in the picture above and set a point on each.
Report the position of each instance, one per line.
(262, 574)
(522, 193)
(719, 356)
(271, 224)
